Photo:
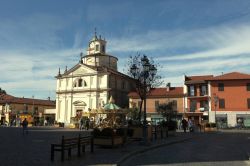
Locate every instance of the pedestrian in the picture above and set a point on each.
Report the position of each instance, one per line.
(25, 126)
(184, 124)
(45, 122)
(179, 124)
(81, 123)
(190, 125)
(240, 124)
(87, 124)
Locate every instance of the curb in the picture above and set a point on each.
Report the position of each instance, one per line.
(127, 156)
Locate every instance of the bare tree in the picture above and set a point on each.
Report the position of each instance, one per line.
(144, 71)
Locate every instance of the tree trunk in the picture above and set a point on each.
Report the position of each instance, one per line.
(139, 115)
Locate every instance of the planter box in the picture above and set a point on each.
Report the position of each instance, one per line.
(138, 133)
(108, 141)
(210, 129)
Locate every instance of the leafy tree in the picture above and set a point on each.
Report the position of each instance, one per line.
(133, 113)
(2, 91)
(168, 110)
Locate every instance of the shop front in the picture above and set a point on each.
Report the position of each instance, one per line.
(222, 121)
(196, 117)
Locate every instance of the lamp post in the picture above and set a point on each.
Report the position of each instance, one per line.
(216, 99)
(144, 76)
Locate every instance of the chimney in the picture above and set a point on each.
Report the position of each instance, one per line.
(49, 98)
(168, 86)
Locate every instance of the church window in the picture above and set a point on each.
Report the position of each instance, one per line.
(85, 83)
(103, 48)
(97, 47)
(80, 82)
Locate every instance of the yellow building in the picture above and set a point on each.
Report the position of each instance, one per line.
(15, 109)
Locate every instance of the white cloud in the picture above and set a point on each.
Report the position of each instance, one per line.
(34, 31)
(23, 74)
(36, 49)
(201, 51)
(214, 40)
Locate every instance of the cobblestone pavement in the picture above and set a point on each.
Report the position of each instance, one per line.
(34, 148)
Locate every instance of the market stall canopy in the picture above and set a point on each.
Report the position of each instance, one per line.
(111, 105)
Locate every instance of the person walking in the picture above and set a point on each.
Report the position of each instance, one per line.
(184, 124)
(190, 125)
(81, 123)
(87, 124)
(25, 126)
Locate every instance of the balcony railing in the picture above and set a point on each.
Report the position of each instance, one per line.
(203, 93)
(202, 109)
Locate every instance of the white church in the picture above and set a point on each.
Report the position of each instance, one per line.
(90, 83)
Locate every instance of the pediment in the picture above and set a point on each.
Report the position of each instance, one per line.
(80, 69)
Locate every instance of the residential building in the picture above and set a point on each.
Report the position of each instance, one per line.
(223, 99)
(232, 91)
(158, 96)
(15, 109)
(197, 98)
(90, 83)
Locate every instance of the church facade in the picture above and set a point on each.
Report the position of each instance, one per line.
(90, 83)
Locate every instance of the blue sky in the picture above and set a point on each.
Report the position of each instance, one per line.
(194, 37)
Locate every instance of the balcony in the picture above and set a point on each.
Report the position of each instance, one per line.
(203, 109)
(195, 91)
(196, 110)
(201, 95)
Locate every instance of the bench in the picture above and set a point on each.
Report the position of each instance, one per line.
(72, 143)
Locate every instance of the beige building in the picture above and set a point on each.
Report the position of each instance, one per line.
(15, 109)
(89, 84)
(159, 96)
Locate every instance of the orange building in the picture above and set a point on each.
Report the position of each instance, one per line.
(159, 96)
(226, 101)
(197, 98)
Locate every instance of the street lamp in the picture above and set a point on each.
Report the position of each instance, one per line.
(144, 76)
(216, 99)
